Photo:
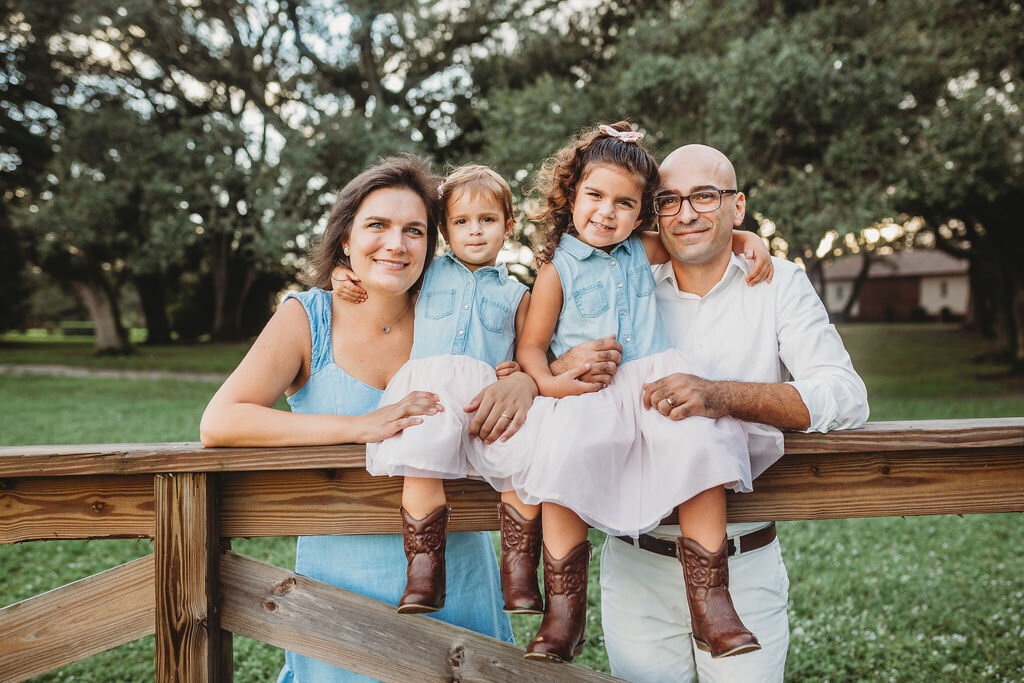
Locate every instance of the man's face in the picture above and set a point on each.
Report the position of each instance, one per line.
(699, 238)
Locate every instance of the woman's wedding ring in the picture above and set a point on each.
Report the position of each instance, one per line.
(671, 401)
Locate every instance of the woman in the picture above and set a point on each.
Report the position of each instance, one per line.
(332, 359)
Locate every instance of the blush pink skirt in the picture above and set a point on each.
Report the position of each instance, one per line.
(622, 468)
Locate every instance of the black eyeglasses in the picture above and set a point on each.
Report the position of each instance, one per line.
(704, 201)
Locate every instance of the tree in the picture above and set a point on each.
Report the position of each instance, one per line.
(837, 117)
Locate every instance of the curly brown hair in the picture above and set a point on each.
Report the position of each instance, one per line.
(561, 174)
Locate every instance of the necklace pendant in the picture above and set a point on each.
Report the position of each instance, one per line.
(386, 330)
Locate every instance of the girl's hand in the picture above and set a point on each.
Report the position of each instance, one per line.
(753, 248)
(391, 419)
(501, 407)
(506, 369)
(569, 383)
(345, 284)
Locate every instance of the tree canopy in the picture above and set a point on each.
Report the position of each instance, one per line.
(190, 148)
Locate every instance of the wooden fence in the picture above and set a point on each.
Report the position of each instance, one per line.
(193, 592)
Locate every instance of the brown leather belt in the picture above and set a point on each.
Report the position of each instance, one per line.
(746, 543)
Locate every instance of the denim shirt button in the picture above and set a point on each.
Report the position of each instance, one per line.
(620, 285)
(622, 312)
(629, 339)
(462, 332)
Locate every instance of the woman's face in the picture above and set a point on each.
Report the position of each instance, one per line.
(387, 245)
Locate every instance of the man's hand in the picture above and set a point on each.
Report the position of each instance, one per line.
(501, 407)
(602, 355)
(679, 395)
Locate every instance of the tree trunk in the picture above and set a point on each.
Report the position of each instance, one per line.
(243, 296)
(104, 317)
(816, 274)
(154, 307)
(1017, 299)
(858, 285)
(219, 272)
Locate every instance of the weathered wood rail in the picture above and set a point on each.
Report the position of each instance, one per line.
(193, 592)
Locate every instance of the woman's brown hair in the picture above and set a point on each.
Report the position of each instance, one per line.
(402, 172)
(561, 174)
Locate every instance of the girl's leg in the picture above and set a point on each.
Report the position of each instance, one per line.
(524, 510)
(520, 555)
(566, 561)
(425, 529)
(715, 625)
(702, 518)
(421, 496)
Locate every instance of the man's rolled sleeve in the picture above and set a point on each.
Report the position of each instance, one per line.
(814, 354)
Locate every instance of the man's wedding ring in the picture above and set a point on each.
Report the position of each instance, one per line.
(671, 401)
(507, 416)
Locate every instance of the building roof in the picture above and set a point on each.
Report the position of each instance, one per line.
(918, 262)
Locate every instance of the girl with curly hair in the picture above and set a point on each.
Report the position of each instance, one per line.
(600, 458)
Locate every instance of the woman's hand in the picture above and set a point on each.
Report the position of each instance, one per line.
(501, 407)
(346, 285)
(391, 419)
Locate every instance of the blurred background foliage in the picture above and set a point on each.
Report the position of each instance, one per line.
(173, 159)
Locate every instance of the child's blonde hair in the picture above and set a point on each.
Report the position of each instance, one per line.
(476, 179)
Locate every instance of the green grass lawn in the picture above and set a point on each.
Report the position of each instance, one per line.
(917, 599)
(209, 357)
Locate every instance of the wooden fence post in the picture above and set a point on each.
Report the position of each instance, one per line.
(190, 645)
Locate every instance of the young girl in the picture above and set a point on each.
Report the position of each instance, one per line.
(627, 467)
(467, 316)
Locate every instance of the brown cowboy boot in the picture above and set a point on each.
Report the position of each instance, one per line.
(563, 629)
(520, 553)
(424, 549)
(716, 626)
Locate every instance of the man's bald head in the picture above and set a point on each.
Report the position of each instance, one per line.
(700, 241)
(712, 163)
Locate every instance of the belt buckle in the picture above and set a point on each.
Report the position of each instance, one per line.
(733, 547)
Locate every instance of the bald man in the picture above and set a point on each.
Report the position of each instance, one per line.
(751, 340)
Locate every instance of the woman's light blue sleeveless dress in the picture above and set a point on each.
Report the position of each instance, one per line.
(374, 565)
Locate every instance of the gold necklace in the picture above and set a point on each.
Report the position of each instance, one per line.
(386, 329)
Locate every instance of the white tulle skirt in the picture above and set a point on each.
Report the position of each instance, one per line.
(440, 447)
(622, 468)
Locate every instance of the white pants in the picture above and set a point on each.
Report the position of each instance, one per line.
(647, 622)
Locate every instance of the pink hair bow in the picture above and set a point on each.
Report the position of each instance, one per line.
(625, 136)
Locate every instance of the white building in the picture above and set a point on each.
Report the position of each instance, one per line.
(906, 285)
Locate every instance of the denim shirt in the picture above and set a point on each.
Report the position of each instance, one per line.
(466, 313)
(607, 293)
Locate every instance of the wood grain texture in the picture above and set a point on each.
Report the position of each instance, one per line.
(337, 502)
(289, 503)
(23, 461)
(825, 486)
(188, 633)
(76, 621)
(49, 508)
(366, 636)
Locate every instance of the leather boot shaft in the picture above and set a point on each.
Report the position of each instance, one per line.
(716, 626)
(425, 541)
(563, 630)
(520, 555)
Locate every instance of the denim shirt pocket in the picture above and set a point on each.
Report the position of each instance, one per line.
(641, 280)
(591, 300)
(493, 314)
(440, 303)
